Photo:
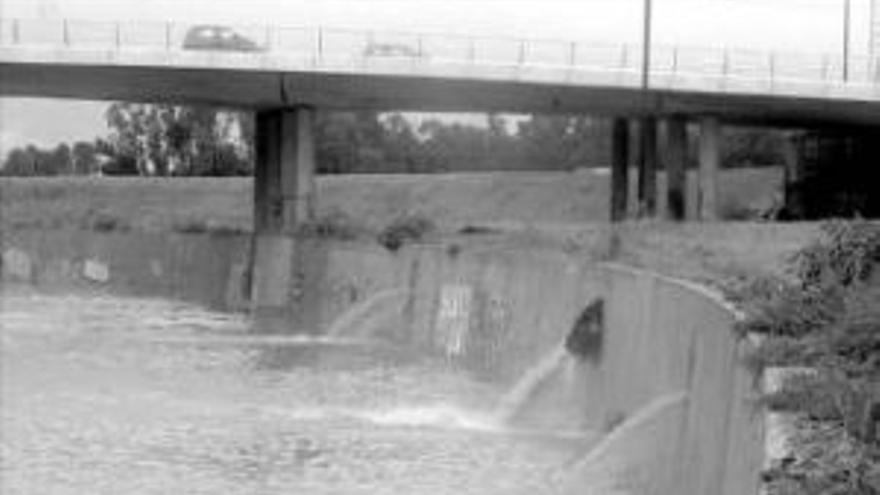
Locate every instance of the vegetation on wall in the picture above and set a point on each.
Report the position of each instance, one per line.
(826, 318)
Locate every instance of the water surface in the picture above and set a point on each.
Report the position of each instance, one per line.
(112, 395)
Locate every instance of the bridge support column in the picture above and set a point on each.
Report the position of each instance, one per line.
(648, 168)
(676, 167)
(285, 166)
(619, 169)
(710, 163)
(283, 200)
(793, 198)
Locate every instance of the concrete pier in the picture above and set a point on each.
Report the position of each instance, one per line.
(284, 187)
(710, 164)
(648, 168)
(619, 169)
(284, 181)
(676, 167)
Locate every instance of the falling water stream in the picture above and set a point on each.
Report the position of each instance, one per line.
(112, 395)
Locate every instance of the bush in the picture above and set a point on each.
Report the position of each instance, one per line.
(846, 254)
(190, 226)
(332, 225)
(828, 320)
(102, 221)
(407, 228)
(736, 210)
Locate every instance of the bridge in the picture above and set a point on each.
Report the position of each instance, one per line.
(284, 73)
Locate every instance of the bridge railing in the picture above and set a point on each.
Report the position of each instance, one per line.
(572, 62)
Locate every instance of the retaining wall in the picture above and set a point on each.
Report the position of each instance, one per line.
(202, 269)
(665, 336)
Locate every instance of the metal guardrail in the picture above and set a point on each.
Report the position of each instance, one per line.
(674, 67)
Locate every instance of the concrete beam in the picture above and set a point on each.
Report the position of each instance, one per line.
(619, 169)
(676, 167)
(257, 82)
(710, 164)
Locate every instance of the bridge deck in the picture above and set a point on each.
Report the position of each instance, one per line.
(347, 69)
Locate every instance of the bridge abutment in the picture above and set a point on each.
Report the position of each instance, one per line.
(284, 188)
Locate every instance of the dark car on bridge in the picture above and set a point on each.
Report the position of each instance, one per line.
(221, 38)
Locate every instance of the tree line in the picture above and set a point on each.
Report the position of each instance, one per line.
(169, 140)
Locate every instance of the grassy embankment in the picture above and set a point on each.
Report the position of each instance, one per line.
(561, 210)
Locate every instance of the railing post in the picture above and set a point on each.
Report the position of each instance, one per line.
(320, 54)
(725, 63)
(624, 56)
(268, 37)
(117, 34)
(16, 32)
(420, 46)
(65, 32)
(572, 54)
(522, 52)
(368, 48)
(772, 71)
(472, 50)
(675, 60)
(168, 35)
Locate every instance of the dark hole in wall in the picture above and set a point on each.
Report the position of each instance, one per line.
(585, 338)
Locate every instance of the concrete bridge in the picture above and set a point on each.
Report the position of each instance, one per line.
(285, 73)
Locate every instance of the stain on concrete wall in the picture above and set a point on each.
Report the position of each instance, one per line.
(96, 271)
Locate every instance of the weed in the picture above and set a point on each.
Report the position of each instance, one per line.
(190, 226)
(828, 320)
(333, 225)
(736, 210)
(406, 228)
(103, 221)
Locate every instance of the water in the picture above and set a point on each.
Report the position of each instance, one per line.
(108, 395)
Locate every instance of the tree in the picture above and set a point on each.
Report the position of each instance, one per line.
(180, 140)
(19, 163)
(564, 142)
(31, 160)
(753, 147)
(84, 156)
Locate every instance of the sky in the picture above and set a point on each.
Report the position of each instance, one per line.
(781, 25)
